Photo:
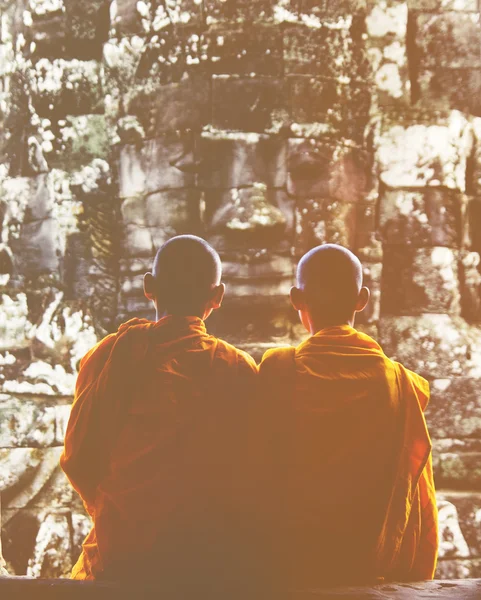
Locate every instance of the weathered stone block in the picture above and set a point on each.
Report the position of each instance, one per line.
(14, 323)
(59, 495)
(468, 506)
(87, 27)
(428, 218)
(173, 106)
(313, 99)
(458, 541)
(452, 543)
(438, 5)
(237, 160)
(248, 104)
(170, 213)
(425, 155)
(473, 176)
(26, 423)
(272, 318)
(61, 88)
(169, 56)
(470, 286)
(78, 141)
(18, 536)
(309, 165)
(41, 378)
(455, 408)
(22, 461)
(35, 250)
(252, 49)
(238, 10)
(449, 39)
(48, 32)
(366, 224)
(62, 415)
(441, 87)
(411, 287)
(324, 221)
(137, 307)
(336, 103)
(250, 271)
(387, 19)
(320, 169)
(53, 552)
(137, 241)
(133, 286)
(389, 67)
(311, 51)
(468, 568)
(136, 265)
(150, 221)
(457, 463)
(372, 252)
(246, 220)
(141, 18)
(24, 473)
(26, 200)
(328, 10)
(127, 20)
(152, 167)
(436, 346)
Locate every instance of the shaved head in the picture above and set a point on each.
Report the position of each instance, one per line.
(185, 270)
(331, 277)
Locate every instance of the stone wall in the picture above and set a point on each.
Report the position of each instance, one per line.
(267, 127)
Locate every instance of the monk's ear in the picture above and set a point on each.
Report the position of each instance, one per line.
(217, 295)
(362, 299)
(149, 286)
(297, 298)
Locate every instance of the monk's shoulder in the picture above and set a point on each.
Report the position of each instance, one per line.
(232, 356)
(100, 352)
(419, 383)
(96, 358)
(277, 360)
(93, 362)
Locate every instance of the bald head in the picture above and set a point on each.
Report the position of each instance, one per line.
(185, 271)
(331, 279)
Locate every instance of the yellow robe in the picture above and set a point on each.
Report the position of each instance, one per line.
(343, 460)
(153, 446)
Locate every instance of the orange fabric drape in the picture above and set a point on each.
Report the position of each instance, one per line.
(342, 455)
(154, 444)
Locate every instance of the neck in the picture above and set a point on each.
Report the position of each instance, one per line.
(316, 325)
(160, 314)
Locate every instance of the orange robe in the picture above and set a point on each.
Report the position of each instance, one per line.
(343, 459)
(153, 446)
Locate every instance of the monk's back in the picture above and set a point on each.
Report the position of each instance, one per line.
(182, 413)
(170, 424)
(339, 398)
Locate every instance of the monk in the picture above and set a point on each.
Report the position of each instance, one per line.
(342, 448)
(156, 434)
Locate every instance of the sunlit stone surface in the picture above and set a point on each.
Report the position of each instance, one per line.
(268, 127)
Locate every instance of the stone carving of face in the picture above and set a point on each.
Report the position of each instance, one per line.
(251, 132)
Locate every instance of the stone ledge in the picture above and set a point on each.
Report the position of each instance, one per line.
(66, 589)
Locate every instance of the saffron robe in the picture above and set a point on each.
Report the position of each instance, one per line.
(343, 459)
(156, 434)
